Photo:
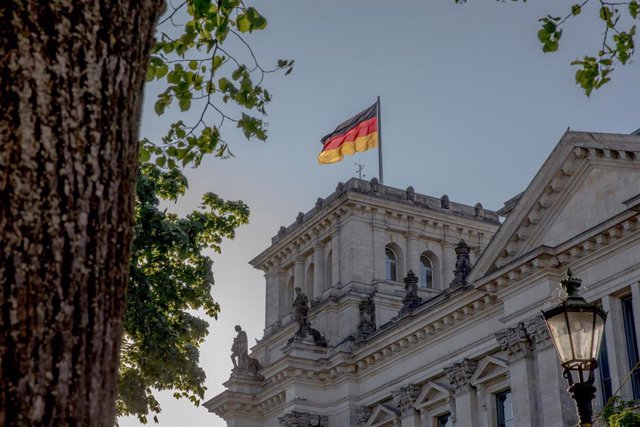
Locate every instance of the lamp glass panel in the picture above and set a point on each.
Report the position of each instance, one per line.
(581, 329)
(597, 336)
(560, 334)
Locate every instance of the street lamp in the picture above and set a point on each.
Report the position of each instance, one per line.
(576, 328)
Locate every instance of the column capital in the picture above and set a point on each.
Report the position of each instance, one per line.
(460, 373)
(405, 398)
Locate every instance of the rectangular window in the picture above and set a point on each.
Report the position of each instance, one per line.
(504, 409)
(632, 344)
(605, 374)
(445, 420)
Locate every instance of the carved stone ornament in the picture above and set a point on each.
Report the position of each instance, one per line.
(303, 419)
(411, 194)
(362, 414)
(532, 334)
(460, 373)
(411, 299)
(305, 332)
(463, 264)
(538, 332)
(300, 218)
(282, 231)
(444, 201)
(367, 323)
(243, 364)
(405, 398)
(319, 202)
(515, 341)
(340, 187)
(479, 210)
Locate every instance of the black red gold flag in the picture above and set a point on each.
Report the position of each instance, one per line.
(359, 133)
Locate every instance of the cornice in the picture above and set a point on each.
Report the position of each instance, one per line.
(579, 247)
(357, 199)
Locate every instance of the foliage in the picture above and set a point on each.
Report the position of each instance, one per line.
(620, 413)
(197, 69)
(169, 279)
(197, 63)
(618, 44)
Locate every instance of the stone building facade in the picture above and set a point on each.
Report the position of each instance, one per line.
(426, 312)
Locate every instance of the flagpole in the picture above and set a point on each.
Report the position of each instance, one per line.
(379, 143)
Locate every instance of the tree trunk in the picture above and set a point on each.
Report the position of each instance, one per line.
(71, 77)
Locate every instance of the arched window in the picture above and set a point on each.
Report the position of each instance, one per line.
(426, 272)
(391, 263)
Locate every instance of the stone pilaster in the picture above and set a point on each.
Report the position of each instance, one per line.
(448, 263)
(413, 257)
(459, 376)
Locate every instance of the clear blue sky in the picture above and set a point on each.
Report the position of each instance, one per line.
(471, 108)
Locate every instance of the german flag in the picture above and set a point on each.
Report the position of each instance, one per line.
(359, 133)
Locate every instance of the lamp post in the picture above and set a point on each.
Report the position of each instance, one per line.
(576, 328)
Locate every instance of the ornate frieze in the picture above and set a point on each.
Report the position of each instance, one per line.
(405, 398)
(460, 373)
(303, 419)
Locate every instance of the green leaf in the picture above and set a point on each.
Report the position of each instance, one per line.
(160, 161)
(162, 71)
(193, 65)
(576, 9)
(185, 104)
(159, 107)
(243, 23)
(144, 155)
(634, 8)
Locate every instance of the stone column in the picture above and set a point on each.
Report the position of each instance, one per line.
(335, 257)
(448, 263)
(298, 276)
(318, 270)
(405, 399)
(559, 409)
(273, 299)
(515, 341)
(413, 257)
(379, 237)
(465, 395)
(286, 295)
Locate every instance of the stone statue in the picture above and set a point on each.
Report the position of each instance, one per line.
(463, 264)
(301, 316)
(242, 363)
(367, 319)
(411, 299)
(301, 309)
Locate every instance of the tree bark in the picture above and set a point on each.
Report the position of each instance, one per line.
(71, 78)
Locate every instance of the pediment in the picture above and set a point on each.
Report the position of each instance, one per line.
(488, 369)
(382, 416)
(432, 394)
(585, 180)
